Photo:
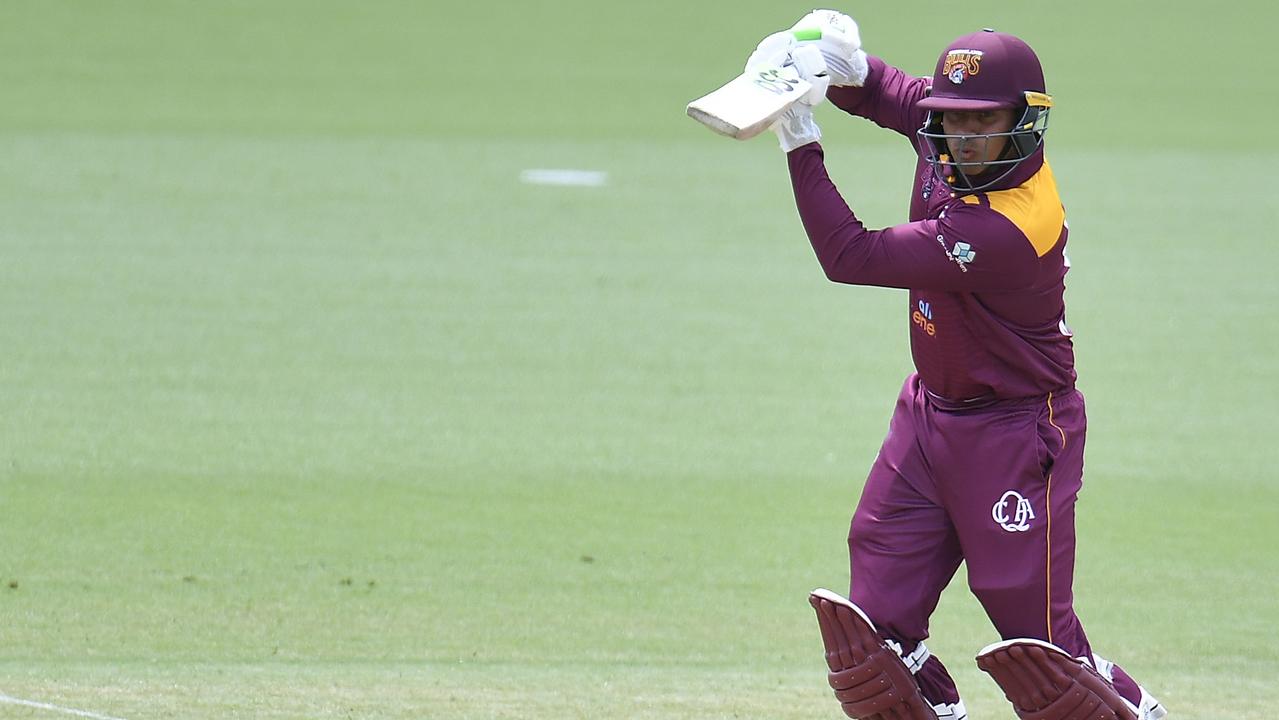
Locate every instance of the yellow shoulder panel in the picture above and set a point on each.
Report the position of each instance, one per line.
(1034, 207)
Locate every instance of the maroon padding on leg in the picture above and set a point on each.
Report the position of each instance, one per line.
(1047, 684)
(869, 679)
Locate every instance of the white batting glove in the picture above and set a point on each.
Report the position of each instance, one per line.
(779, 50)
(840, 42)
(796, 126)
(773, 51)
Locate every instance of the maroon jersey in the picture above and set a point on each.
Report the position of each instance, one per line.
(985, 270)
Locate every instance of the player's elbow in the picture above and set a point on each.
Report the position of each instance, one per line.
(838, 261)
(841, 276)
(828, 269)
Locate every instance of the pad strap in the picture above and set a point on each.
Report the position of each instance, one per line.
(915, 659)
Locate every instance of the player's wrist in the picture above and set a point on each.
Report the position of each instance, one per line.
(797, 128)
(847, 72)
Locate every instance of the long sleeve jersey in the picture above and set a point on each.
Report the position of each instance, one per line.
(985, 270)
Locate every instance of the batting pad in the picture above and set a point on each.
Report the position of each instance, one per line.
(869, 678)
(1043, 682)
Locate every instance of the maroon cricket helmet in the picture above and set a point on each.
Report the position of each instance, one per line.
(985, 70)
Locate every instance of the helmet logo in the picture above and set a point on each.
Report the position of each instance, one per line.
(961, 64)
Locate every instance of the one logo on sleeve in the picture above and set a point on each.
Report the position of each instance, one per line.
(1013, 512)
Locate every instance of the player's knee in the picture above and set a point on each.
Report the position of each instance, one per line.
(996, 588)
(896, 619)
(1006, 599)
(1005, 587)
(896, 616)
(893, 606)
(866, 537)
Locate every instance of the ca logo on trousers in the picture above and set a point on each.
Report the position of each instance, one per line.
(1020, 508)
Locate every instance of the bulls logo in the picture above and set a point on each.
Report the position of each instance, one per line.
(1013, 512)
(962, 64)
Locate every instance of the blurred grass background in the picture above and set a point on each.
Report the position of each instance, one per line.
(309, 408)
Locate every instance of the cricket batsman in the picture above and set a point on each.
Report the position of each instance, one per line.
(985, 450)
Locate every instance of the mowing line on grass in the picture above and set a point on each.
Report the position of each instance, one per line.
(8, 700)
(579, 178)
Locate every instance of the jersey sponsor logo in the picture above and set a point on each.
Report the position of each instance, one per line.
(961, 254)
(962, 64)
(923, 317)
(1013, 512)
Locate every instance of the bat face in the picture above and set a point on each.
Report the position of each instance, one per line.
(749, 103)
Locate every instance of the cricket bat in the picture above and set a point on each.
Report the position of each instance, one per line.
(750, 103)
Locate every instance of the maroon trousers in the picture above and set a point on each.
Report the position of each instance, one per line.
(993, 486)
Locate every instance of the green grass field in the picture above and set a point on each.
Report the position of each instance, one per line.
(310, 408)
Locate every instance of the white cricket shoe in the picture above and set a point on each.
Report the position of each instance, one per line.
(1150, 709)
(947, 711)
